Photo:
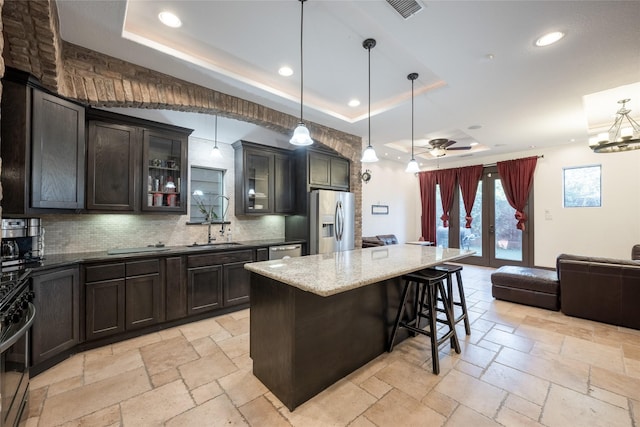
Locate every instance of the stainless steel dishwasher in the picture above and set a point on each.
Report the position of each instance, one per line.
(285, 251)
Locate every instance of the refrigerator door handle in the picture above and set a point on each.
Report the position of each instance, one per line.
(339, 221)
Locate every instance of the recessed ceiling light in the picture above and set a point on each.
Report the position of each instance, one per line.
(549, 38)
(285, 71)
(169, 19)
(473, 144)
(354, 103)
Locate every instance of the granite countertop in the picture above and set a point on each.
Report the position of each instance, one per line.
(330, 274)
(61, 260)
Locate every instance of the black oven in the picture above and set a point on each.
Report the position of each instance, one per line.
(16, 317)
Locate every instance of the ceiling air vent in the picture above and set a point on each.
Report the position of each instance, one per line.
(406, 8)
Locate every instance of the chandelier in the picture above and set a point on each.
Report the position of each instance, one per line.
(621, 136)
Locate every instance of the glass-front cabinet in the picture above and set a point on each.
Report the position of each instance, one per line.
(258, 182)
(164, 172)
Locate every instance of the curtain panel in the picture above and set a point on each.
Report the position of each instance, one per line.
(446, 178)
(517, 177)
(428, 199)
(468, 178)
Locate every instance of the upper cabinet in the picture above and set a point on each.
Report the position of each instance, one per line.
(135, 165)
(112, 157)
(328, 171)
(164, 164)
(43, 149)
(264, 181)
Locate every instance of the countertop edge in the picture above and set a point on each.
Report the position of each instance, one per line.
(54, 261)
(259, 269)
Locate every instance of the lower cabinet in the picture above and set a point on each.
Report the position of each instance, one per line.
(204, 288)
(56, 327)
(217, 280)
(122, 296)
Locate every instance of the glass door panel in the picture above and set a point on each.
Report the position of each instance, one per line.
(442, 232)
(258, 182)
(508, 239)
(471, 238)
(164, 159)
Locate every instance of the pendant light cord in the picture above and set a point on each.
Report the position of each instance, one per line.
(215, 133)
(412, 158)
(301, 58)
(369, 49)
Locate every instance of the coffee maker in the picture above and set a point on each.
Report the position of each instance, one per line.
(22, 241)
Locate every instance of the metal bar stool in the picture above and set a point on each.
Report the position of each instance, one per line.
(429, 289)
(449, 269)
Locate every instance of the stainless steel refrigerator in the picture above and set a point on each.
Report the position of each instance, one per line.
(332, 221)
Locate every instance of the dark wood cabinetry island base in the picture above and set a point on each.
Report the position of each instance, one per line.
(304, 340)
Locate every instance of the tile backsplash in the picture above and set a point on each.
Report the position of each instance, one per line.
(100, 232)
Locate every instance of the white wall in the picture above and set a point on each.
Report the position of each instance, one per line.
(608, 231)
(390, 185)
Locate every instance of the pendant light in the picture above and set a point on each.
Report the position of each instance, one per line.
(216, 153)
(369, 154)
(412, 167)
(301, 133)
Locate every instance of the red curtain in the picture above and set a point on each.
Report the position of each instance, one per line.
(468, 177)
(516, 177)
(447, 180)
(428, 198)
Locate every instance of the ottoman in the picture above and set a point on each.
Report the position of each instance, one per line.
(530, 286)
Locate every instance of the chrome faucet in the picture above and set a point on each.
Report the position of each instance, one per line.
(211, 238)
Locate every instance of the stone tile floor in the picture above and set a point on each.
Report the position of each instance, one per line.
(521, 366)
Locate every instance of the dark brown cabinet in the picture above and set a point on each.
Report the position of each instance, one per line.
(176, 287)
(217, 280)
(104, 300)
(112, 157)
(164, 170)
(327, 171)
(122, 296)
(43, 148)
(56, 327)
(144, 300)
(204, 283)
(135, 165)
(264, 181)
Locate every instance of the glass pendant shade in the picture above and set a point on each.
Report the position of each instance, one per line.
(369, 155)
(412, 166)
(215, 152)
(301, 136)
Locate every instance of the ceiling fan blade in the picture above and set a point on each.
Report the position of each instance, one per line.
(448, 143)
(458, 148)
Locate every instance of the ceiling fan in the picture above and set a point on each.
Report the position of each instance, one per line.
(438, 147)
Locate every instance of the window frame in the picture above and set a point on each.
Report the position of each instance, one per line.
(210, 194)
(591, 185)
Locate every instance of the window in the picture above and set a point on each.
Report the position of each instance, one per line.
(206, 185)
(581, 186)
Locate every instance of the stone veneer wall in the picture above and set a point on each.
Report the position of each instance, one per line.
(31, 35)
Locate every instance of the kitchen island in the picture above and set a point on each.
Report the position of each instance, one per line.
(317, 318)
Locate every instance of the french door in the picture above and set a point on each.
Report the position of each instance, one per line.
(493, 234)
